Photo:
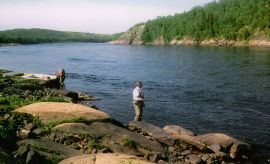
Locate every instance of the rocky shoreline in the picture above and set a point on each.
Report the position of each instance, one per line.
(42, 124)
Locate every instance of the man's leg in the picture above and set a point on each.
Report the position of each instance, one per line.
(138, 113)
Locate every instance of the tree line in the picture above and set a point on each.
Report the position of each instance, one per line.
(222, 19)
(32, 36)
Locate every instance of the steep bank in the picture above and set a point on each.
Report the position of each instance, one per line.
(132, 36)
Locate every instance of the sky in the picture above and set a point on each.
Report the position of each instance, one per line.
(94, 16)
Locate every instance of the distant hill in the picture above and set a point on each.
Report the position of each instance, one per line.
(32, 36)
(222, 22)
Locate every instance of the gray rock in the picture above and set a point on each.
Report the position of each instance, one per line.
(205, 157)
(155, 157)
(22, 150)
(186, 152)
(193, 159)
(29, 156)
(37, 131)
(151, 130)
(215, 147)
(29, 126)
(48, 147)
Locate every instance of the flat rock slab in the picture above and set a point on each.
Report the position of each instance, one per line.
(49, 146)
(151, 130)
(109, 132)
(56, 111)
(176, 130)
(108, 158)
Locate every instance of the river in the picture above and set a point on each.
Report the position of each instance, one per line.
(204, 89)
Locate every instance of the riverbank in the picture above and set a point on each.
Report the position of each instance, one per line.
(50, 127)
(194, 42)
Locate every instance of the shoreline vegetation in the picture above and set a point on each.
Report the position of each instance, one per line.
(219, 23)
(36, 36)
(39, 123)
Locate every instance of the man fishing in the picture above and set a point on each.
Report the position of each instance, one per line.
(138, 101)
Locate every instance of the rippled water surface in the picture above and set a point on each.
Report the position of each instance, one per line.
(203, 89)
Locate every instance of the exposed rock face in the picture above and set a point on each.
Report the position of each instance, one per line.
(53, 112)
(132, 36)
(113, 137)
(104, 158)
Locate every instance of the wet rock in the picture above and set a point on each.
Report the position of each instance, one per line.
(94, 107)
(84, 96)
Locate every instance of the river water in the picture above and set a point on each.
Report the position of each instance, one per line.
(204, 89)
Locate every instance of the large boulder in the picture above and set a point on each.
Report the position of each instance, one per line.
(57, 112)
(235, 147)
(109, 158)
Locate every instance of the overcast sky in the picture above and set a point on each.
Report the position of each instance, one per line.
(95, 16)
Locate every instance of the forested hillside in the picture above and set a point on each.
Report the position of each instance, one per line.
(30, 36)
(222, 19)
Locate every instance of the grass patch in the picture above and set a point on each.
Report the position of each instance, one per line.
(96, 144)
(13, 102)
(52, 99)
(129, 143)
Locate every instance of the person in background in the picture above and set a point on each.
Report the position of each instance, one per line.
(61, 75)
(138, 101)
